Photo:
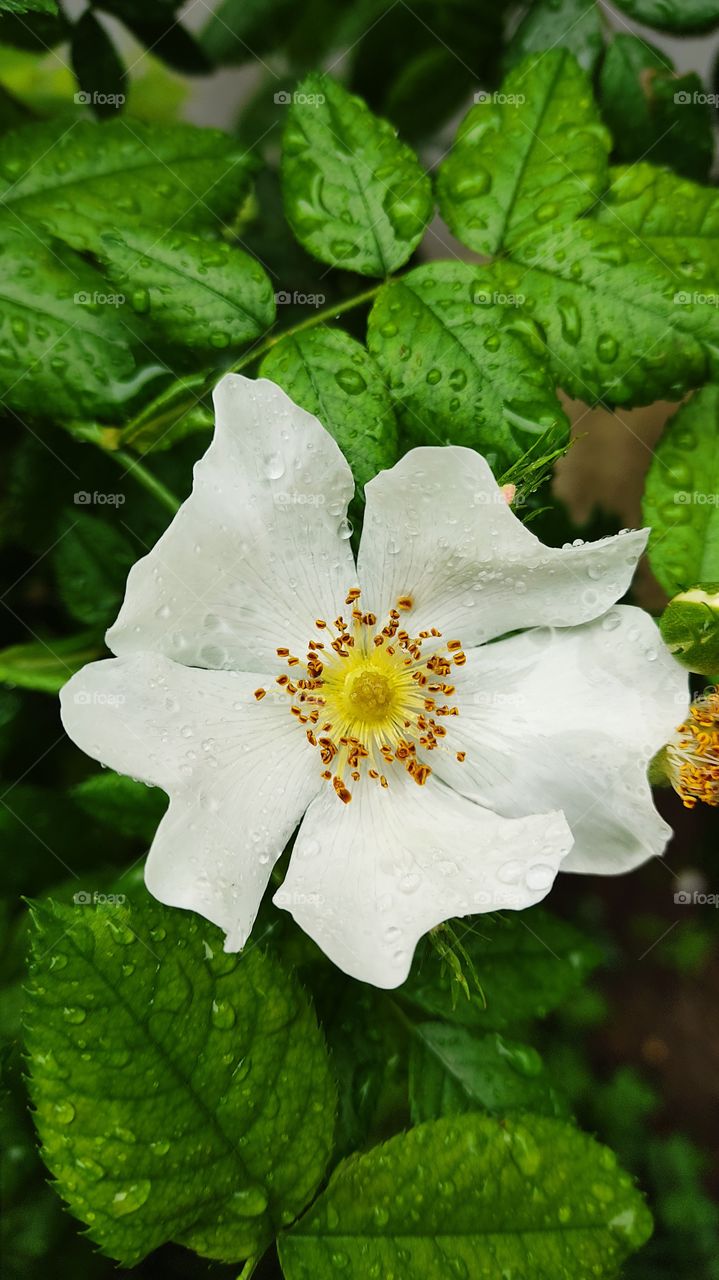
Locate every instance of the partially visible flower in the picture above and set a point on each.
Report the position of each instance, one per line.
(691, 759)
(439, 762)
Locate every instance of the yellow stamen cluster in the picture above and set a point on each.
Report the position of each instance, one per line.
(369, 698)
(693, 756)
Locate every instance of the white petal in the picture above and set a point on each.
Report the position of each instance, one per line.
(240, 774)
(571, 719)
(259, 549)
(438, 528)
(369, 878)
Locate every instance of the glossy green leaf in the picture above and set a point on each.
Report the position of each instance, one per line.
(456, 373)
(72, 179)
(535, 152)
(473, 1197)
(527, 962)
(205, 1113)
(333, 376)
(46, 665)
(453, 1070)
(680, 504)
(618, 325)
(575, 24)
(198, 293)
(64, 349)
(354, 195)
(683, 16)
(92, 561)
(676, 220)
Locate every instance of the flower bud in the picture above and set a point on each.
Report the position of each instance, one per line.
(690, 628)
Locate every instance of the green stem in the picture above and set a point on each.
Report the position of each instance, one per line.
(132, 466)
(249, 1268)
(328, 313)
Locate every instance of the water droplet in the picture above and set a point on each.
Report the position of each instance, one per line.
(223, 1015)
(274, 466)
(64, 1112)
(539, 877)
(249, 1203)
(351, 381)
(131, 1199)
(74, 1014)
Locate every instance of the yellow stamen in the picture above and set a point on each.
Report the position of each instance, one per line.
(370, 686)
(693, 756)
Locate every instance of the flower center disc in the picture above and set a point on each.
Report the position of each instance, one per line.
(369, 694)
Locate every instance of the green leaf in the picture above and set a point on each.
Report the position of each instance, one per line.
(64, 348)
(198, 293)
(625, 81)
(685, 16)
(333, 376)
(453, 1070)
(128, 807)
(618, 325)
(89, 175)
(574, 24)
(97, 65)
(205, 1113)
(527, 962)
(685, 121)
(354, 195)
(532, 154)
(457, 375)
(649, 109)
(475, 1197)
(46, 665)
(92, 561)
(675, 219)
(680, 499)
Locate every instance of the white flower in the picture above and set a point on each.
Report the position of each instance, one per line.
(433, 774)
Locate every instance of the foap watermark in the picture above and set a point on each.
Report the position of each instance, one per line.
(684, 98)
(502, 99)
(95, 99)
(297, 299)
(289, 898)
(298, 99)
(85, 698)
(85, 299)
(695, 898)
(295, 499)
(695, 498)
(684, 299)
(97, 499)
(94, 898)
(493, 298)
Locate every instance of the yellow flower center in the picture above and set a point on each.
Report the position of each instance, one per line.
(371, 696)
(693, 756)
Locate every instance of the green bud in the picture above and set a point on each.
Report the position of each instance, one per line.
(690, 628)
